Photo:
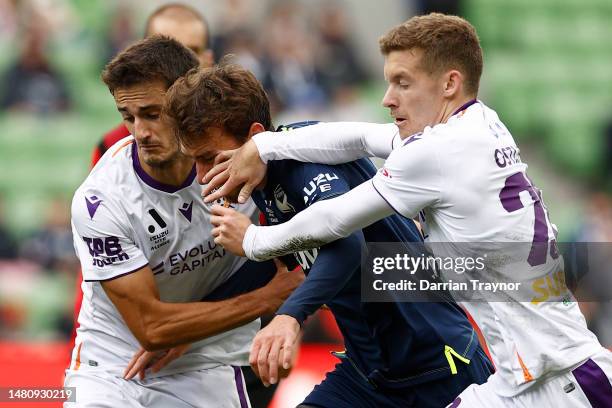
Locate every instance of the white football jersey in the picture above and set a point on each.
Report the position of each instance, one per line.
(468, 177)
(122, 220)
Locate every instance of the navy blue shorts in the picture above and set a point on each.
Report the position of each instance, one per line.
(344, 387)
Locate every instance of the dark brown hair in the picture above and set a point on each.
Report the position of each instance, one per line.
(226, 96)
(156, 58)
(447, 42)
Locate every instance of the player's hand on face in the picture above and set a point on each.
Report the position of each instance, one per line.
(229, 228)
(155, 360)
(233, 169)
(274, 348)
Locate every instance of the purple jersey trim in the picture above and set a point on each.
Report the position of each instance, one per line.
(151, 182)
(118, 276)
(387, 201)
(240, 387)
(595, 384)
(455, 403)
(465, 106)
(413, 138)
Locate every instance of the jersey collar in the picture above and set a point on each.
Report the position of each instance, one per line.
(465, 106)
(151, 182)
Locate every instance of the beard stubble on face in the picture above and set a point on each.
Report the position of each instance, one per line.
(161, 161)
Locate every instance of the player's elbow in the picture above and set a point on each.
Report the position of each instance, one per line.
(331, 226)
(338, 227)
(153, 339)
(153, 334)
(151, 343)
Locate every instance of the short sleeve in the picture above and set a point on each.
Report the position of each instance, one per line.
(315, 182)
(410, 179)
(101, 240)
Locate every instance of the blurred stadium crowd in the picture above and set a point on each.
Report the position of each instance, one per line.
(548, 75)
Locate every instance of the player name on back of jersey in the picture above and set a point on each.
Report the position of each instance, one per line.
(507, 155)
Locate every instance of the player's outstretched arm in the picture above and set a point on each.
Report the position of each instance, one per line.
(328, 143)
(323, 222)
(160, 325)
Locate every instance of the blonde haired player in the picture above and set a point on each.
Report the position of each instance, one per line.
(457, 163)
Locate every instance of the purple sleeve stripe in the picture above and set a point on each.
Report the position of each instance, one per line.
(595, 384)
(118, 276)
(387, 201)
(240, 387)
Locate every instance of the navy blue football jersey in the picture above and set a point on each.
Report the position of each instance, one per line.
(392, 344)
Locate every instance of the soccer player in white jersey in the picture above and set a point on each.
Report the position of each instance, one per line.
(143, 237)
(449, 156)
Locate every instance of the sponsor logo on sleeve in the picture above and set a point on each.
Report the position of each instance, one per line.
(105, 251)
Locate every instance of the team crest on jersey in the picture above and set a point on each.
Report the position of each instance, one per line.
(187, 210)
(385, 172)
(218, 201)
(282, 201)
(93, 203)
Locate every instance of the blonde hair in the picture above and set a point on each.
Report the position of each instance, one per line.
(447, 42)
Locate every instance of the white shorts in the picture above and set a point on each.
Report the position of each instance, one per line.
(221, 386)
(588, 386)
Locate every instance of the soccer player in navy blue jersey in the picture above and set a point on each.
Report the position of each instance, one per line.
(395, 352)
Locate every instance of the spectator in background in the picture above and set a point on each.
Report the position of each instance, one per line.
(453, 7)
(341, 72)
(31, 84)
(597, 223)
(235, 16)
(242, 44)
(8, 18)
(52, 246)
(336, 58)
(607, 157)
(120, 32)
(590, 264)
(291, 78)
(8, 249)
